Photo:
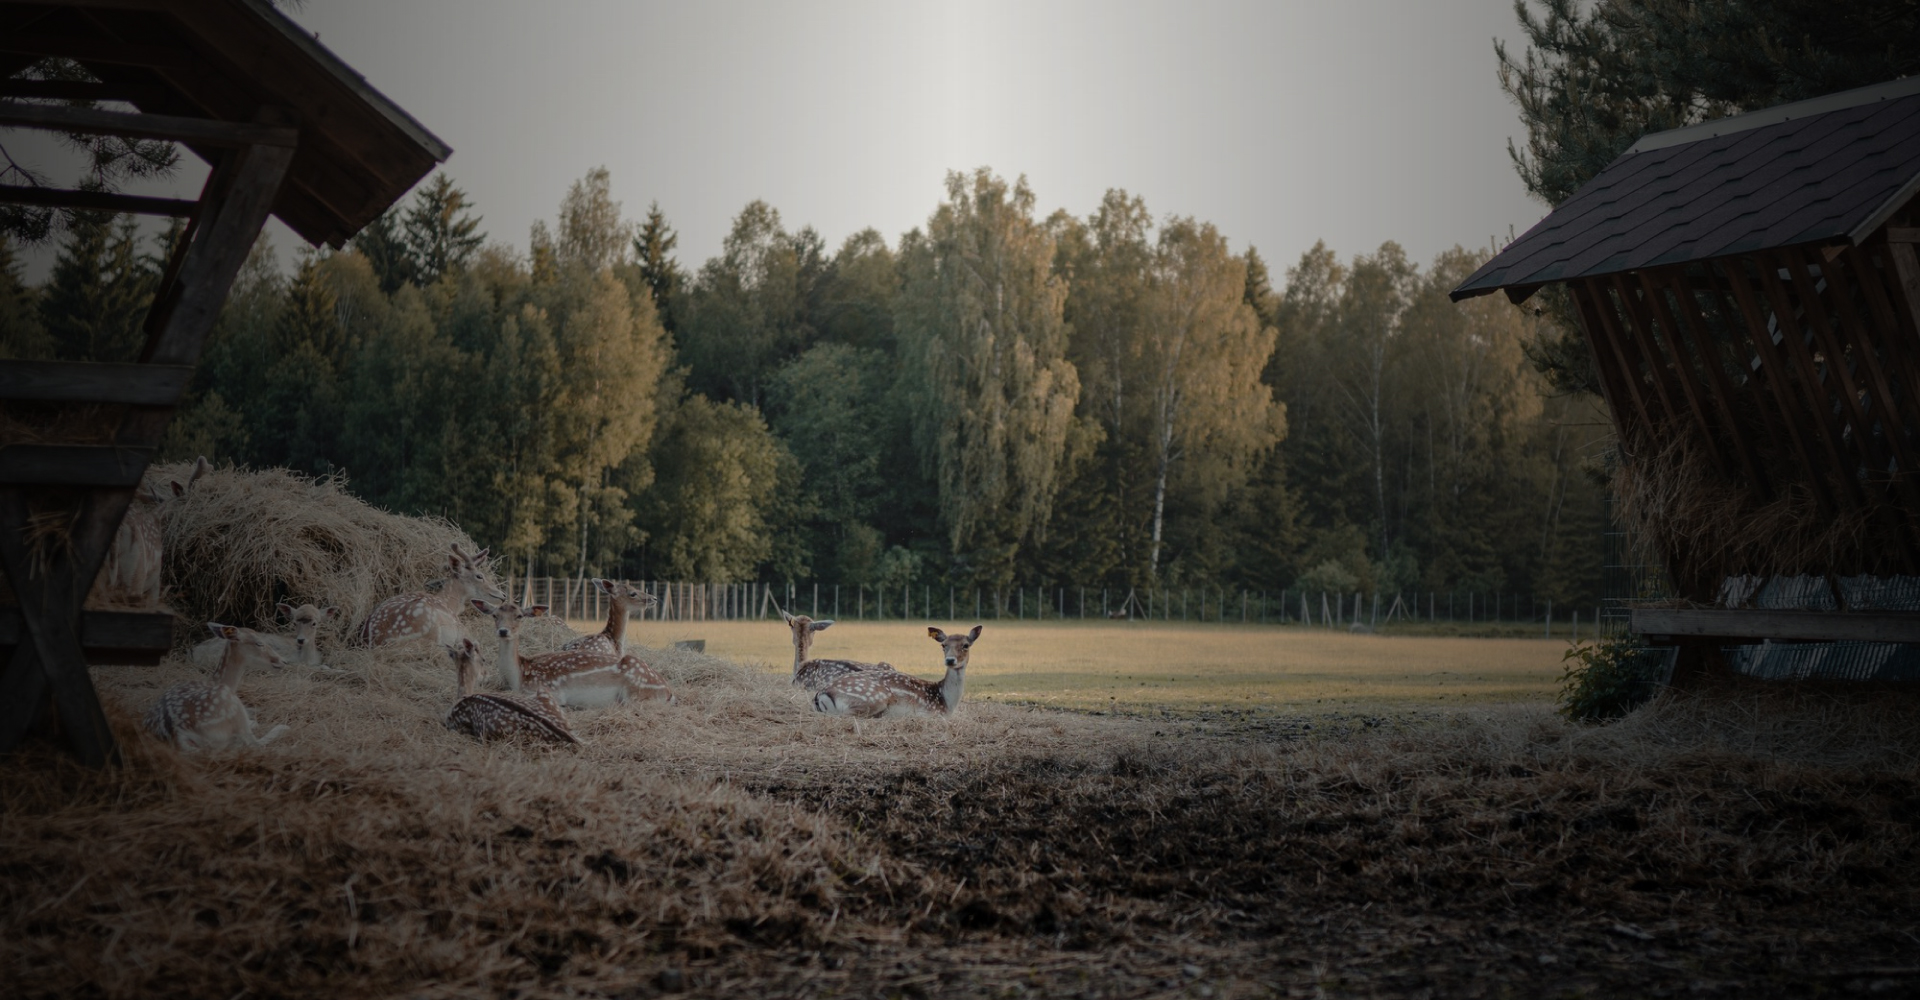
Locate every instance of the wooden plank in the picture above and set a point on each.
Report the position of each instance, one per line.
(1639, 349)
(1813, 382)
(1899, 337)
(1875, 353)
(1824, 333)
(23, 695)
(1598, 308)
(101, 201)
(1654, 303)
(105, 629)
(92, 382)
(1691, 324)
(1903, 234)
(73, 465)
(176, 128)
(1792, 413)
(78, 90)
(91, 49)
(1753, 377)
(1801, 626)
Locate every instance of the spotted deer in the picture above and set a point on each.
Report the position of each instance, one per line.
(301, 649)
(487, 717)
(873, 694)
(622, 601)
(817, 675)
(434, 616)
(580, 678)
(209, 713)
(131, 576)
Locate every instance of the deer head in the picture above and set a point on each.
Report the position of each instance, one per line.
(625, 596)
(957, 647)
(467, 576)
(306, 619)
(506, 615)
(803, 629)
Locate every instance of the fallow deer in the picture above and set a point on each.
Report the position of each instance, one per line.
(817, 675)
(301, 649)
(873, 694)
(435, 616)
(580, 678)
(622, 601)
(487, 717)
(209, 713)
(131, 575)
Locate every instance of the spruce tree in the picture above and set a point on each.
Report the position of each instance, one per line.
(653, 249)
(440, 232)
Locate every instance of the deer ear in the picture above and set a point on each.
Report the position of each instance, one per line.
(821, 624)
(331, 613)
(223, 631)
(481, 606)
(974, 636)
(537, 610)
(788, 617)
(938, 636)
(178, 490)
(482, 554)
(284, 608)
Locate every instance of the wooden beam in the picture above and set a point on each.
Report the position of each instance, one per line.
(99, 201)
(1774, 372)
(1639, 346)
(1801, 626)
(72, 465)
(1601, 313)
(1831, 347)
(1655, 314)
(92, 382)
(1813, 382)
(79, 90)
(107, 629)
(1609, 389)
(200, 131)
(1875, 352)
(92, 49)
(1900, 340)
(1691, 325)
(1903, 234)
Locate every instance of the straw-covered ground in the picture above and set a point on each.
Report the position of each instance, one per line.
(1740, 843)
(734, 843)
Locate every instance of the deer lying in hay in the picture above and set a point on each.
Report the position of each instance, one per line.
(877, 694)
(209, 713)
(434, 616)
(579, 678)
(817, 675)
(487, 716)
(301, 649)
(622, 601)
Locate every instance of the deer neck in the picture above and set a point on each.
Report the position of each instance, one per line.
(469, 679)
(616, 624)
(510, 661)
(801, 647)
(951, 687)
(233, 666)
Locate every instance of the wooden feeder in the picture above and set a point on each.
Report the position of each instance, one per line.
(287, 129)
(1749, 290)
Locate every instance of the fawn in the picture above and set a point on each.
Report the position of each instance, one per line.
(487, 716)
(580, 678)
(301, 649)
(209, 713)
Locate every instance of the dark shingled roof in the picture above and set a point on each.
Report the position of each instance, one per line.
(1827, 170)
(358, 151)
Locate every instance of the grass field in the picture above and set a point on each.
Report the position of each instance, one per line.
(1135, 666)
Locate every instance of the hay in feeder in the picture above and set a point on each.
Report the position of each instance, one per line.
(239, 541)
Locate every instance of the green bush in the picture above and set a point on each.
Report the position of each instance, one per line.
(1607, 679)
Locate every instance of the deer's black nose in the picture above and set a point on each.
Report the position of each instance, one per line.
(949, 661)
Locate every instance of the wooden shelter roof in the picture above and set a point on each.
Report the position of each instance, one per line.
(1830, 170)
(227, 60)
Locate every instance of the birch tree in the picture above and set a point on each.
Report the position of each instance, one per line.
(983, 342)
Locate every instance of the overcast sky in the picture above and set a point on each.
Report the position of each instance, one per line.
(1282, 122)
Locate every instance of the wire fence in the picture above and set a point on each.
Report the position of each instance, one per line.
(577, 598)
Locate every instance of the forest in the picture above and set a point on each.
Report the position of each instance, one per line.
(996, 399)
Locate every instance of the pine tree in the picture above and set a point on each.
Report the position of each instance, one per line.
(97, 296)
(653, 249)
(21, 335)
(440, 232)
(387, 252)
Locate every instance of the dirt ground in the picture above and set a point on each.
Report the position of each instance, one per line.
(1744, 843)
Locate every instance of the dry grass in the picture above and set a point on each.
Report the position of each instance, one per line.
(1151, 665)
(240, 540)
(750, 847)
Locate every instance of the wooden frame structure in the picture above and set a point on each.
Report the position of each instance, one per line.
(288, 130)
(1750, 292)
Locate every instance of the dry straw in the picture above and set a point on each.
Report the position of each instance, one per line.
(240, 541)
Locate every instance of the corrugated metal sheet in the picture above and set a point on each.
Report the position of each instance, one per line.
(1836, 661)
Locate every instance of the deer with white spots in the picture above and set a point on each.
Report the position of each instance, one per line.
(301, 649)
(432, 616)
(818, 675)
(622, 601)
(131, 575)
(873, 694)
(209, 713)
(579, 678)
(487, 717)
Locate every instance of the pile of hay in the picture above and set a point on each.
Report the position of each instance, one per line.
(240, 541)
